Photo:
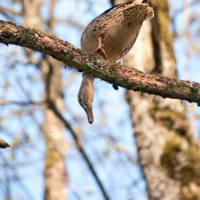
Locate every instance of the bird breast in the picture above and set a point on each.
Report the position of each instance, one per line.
(119, 30)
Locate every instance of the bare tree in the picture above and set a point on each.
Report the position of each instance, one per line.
(53, 132)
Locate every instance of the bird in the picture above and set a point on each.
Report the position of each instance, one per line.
(111, 35)
(85, 95)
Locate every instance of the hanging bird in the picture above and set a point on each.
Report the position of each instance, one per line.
(85, 95)
(111, 35)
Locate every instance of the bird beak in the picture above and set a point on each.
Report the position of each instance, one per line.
(89, 114)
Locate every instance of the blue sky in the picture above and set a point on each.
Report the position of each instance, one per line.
(109, 103)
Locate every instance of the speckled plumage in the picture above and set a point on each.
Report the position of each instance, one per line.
(112, 34)
(119, 28)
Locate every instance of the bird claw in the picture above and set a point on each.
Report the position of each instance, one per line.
(100, 52)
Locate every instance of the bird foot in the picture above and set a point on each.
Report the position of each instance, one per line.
(101, 52)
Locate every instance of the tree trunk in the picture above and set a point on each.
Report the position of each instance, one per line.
(55, 171)
(166, 147)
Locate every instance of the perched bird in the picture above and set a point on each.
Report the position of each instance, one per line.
(111, 35)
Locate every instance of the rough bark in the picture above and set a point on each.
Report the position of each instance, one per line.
(55, 175)
(167, 150)
(123, 76)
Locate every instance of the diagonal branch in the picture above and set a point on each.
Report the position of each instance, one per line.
(111, 72)
(53, 107)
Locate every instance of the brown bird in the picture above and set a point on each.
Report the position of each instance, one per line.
(111, 35)
(85, 95)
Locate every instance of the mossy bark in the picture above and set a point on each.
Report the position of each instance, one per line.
(111, 72)
(167, 150)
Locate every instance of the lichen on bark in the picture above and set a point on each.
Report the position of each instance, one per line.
(182, 162)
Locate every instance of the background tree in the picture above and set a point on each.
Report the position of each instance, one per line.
(166, 147)
(167, 150)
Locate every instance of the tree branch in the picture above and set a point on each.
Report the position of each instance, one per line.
(53, 107)
(93, 64)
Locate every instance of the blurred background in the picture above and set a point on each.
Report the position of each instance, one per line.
(139, 147)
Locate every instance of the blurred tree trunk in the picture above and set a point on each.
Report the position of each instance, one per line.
(167, 151)
(55, 171)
